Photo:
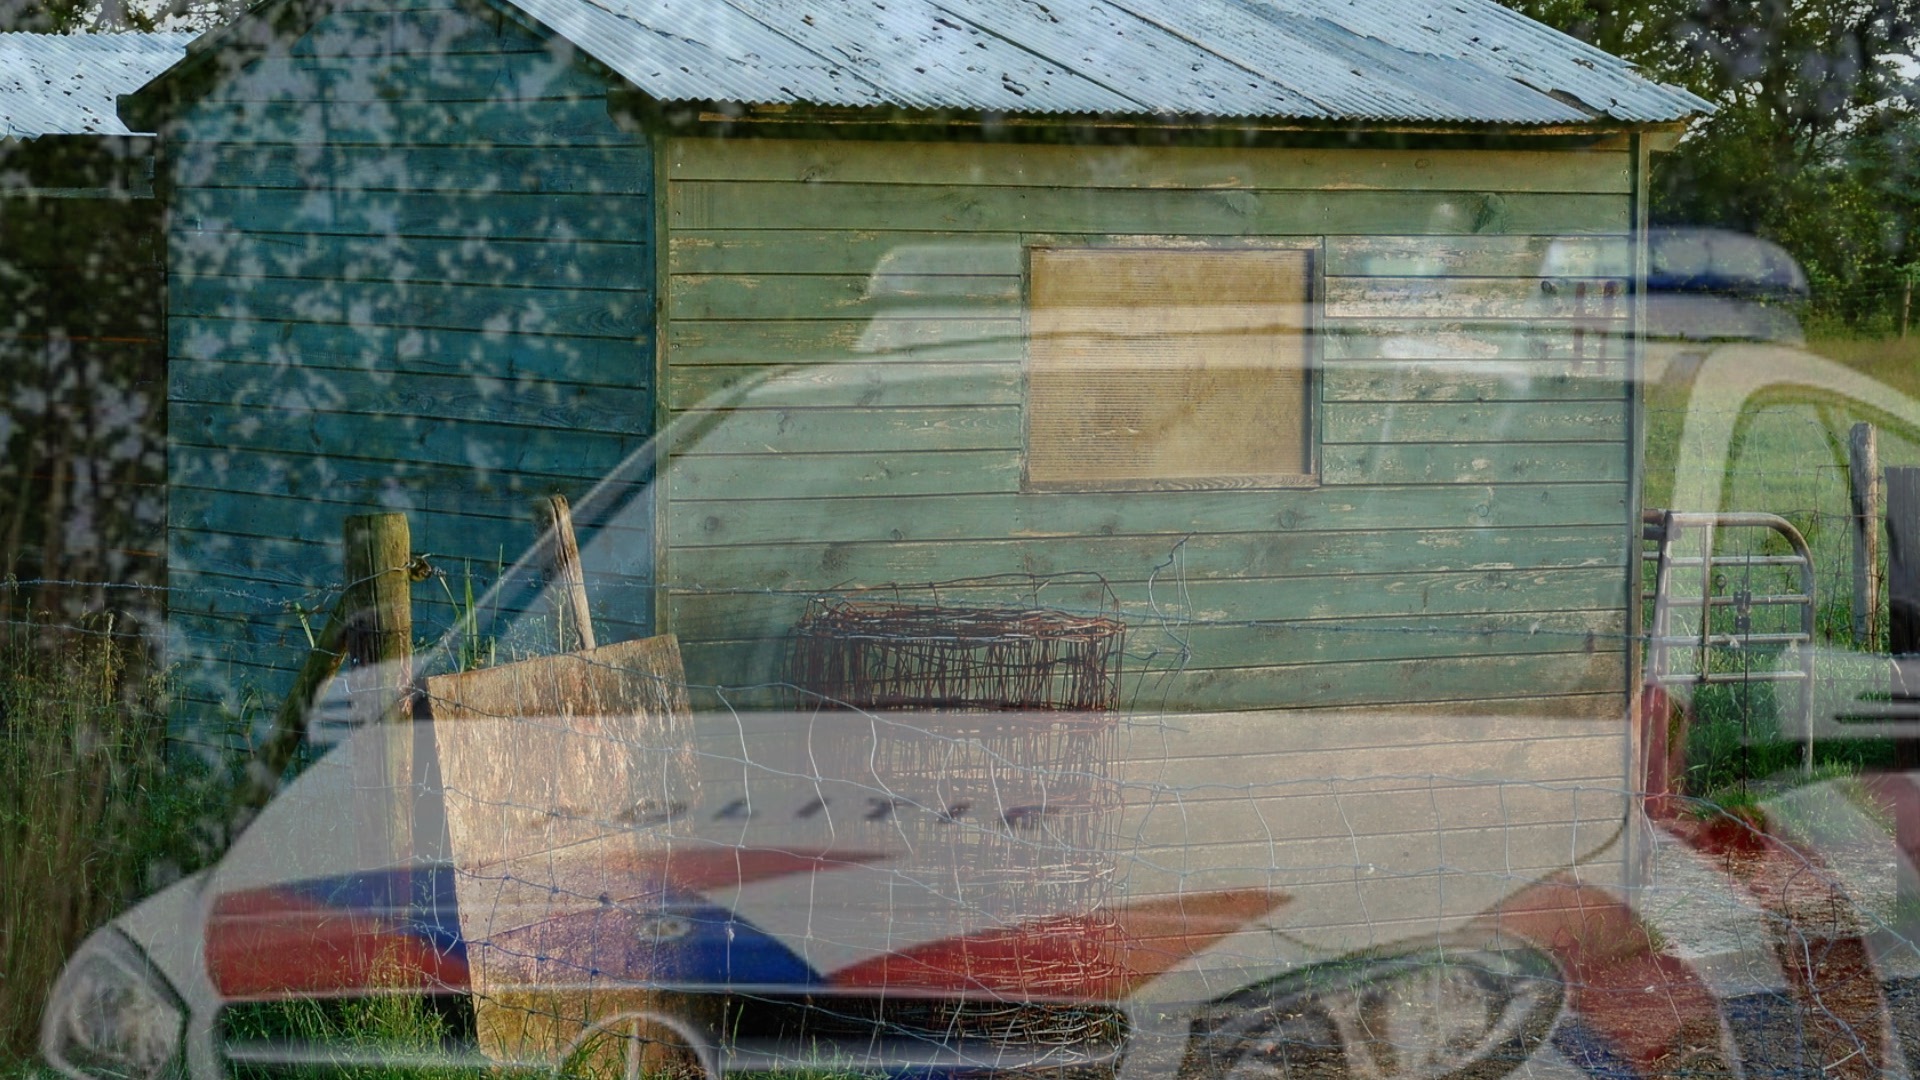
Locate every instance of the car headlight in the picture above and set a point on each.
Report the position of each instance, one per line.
(1466, 1013)
(111, 1015)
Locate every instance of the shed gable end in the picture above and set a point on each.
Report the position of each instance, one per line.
(410, 268)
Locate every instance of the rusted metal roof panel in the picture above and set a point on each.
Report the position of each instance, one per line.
(66, 84)
(1462, 61)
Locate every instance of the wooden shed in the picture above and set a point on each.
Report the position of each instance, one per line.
(448, 255)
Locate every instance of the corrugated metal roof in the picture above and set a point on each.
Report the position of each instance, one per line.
(1381, 61)
(1459, 61)
(66, 84)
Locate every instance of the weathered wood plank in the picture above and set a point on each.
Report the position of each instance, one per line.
(462, 215)
(844, 430)
(1479, 256)
(1155, 650)
(1472, 380)
(1143, 212)
(810, 341)
(866, 385)
(402, 261)
(258, 656)
(220, 397)
(1492, 422)
(1167, 513)
(728, 615)
(1204, 557)
(1431, 339)
(332, 478)
(1475, 298)
(1338, 685)
(464, 523)
(935, 163)
(581, 120)
(614, 313)
(353, 352)
(485, 501)
(500, 75)
(459, 544)
(829, 296)
(842, 251)
(835, 476)
(1196, 737)
(1475, 463)
(585, 170)
(401, 437)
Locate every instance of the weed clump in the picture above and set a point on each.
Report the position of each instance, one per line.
(91, 815)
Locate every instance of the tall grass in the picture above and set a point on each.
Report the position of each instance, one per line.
(83, 802)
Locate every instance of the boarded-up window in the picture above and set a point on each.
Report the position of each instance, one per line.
(1155, 366)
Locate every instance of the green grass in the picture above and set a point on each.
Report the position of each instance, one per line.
(1789, 458)
(92, 814)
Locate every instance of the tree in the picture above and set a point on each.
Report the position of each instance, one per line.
(1810, 143)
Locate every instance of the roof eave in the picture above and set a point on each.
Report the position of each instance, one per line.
(637, 109)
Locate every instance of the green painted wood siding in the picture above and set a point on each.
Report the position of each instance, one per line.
(411, 267)
(1468, 537)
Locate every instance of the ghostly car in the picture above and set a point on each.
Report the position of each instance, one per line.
(1297, 775)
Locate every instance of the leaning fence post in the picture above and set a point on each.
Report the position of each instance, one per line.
(379, 651)
(1863, 468)
(567, 585)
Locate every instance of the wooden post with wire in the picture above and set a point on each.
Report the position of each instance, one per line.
(566, 582)
(1863, 469)
(371, 623)
(379, 655)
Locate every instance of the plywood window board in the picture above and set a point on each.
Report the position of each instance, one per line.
(1152, 367)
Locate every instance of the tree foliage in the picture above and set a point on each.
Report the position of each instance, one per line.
(1812, 142)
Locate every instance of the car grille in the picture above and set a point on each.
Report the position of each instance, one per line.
(433, 1036)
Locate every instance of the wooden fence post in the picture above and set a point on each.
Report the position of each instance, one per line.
(567, 584)
(1863, 470)
(379, 650)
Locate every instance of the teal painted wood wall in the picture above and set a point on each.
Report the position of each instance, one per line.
(410, 267)
(1468, 540)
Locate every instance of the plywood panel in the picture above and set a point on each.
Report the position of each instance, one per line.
(563, 776)
(1151, 365)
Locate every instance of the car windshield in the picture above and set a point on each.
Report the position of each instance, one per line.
(946, 538)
